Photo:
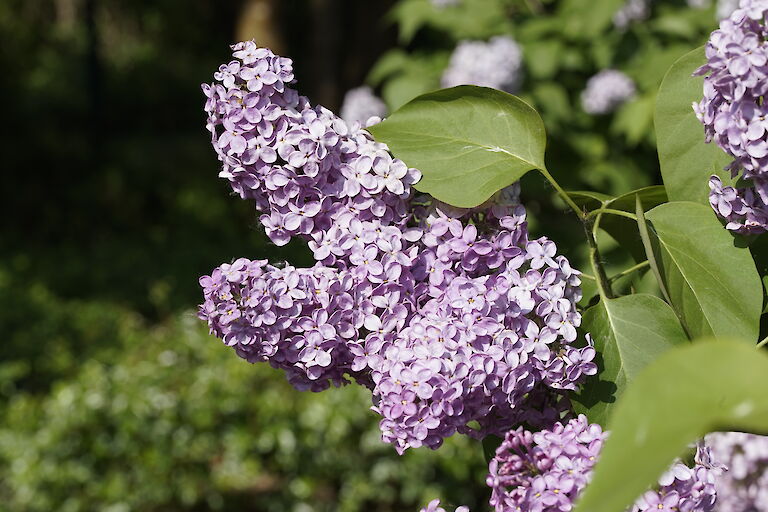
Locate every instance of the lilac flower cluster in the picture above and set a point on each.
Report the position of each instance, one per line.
(632, 11)
(744, 487)
(497, 64)
(545, 472)
(360, 105)
(606, 91)
(434, 506)
(733, 113)
(450, 316)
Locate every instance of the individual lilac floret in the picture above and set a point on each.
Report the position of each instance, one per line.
(360, 105)
(434, 506)
(632, 11)
(545, 472)
(733, 110)
(497, 64)
(606, 91)
(744, 487)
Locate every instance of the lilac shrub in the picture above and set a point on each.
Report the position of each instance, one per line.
(606, 91)
(733, 114)
(361, 105)
(449, 316)
(632, 11)
(497, 63)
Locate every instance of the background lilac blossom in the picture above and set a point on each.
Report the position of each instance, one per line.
(744, 487)
(631, 12)
(733, 114)
(450, 316)
(606, 91)
(361, 104)
(497, 63)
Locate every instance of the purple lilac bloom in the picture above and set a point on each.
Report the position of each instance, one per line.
(545, 472)
(606, 91)
(449, 316)
(632, 11)
(434, 506)
(360, 105)
(497, 64)
(733, 112)
(744, 487)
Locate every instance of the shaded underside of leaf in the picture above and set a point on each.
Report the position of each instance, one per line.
(713, 284)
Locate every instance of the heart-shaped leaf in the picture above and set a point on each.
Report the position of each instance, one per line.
(469, 142)
(629, 333)
(686, 160)
(712, 284)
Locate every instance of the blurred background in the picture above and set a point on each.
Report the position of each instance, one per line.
(112, 395)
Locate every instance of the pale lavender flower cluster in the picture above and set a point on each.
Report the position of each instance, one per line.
(632, 11)
(434, 506)
(494, 325)
(733, 112)
(606, 91)
(299, 320)
(699, 4)
(545, 472)
(442, 4)
(360, 105)
(725, 8)
(497, 63)
(744, 487)
(448, 315)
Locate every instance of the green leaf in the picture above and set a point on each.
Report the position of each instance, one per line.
(629, 333)
(402, 88)
(686, 393)
(468, 142)
(686, 160)
(712, 283)
(490, 444)
(585, 19)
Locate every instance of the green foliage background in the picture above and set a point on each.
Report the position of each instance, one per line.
(112, 396)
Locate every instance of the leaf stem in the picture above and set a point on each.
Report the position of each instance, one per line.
(611, 211)
(762, 342)
(623, 273)
(563, 194)
(603, 284)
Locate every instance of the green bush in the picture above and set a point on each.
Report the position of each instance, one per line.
(175, 421)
